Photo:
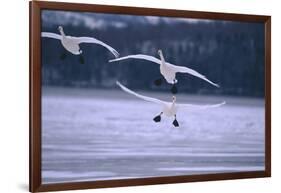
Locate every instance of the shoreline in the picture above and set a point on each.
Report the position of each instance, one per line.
(117, 93)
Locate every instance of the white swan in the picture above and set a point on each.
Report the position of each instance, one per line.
(168, 108)
(71, 44)
(167, 69)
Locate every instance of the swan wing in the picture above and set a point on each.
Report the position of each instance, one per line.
(96, 41)
(138, 56)
(200, 107)
(51, 35)
(187, 70)
(154, 100)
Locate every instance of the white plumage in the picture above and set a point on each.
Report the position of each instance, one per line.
(168, 108)
(71, 44)
(167, 69)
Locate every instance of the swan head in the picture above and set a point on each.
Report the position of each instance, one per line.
(60, 29)
(160, 52)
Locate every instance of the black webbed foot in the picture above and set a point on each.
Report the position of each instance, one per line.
(63, 56)
(176, 123)
(158, 82)
(174, 89)
(81, 60)
(157, 119)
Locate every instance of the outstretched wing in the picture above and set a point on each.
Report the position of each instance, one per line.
(96, 41)
(187, 70)
(175, 68)
(200, 107)
(154, 100)
(138, 56)
(51, 35)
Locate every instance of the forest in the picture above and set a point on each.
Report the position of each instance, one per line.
(228, 53)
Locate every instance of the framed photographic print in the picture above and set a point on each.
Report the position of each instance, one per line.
(123, 96)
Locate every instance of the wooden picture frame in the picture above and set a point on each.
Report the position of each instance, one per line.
(35, 183)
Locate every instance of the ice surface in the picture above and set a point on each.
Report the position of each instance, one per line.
(95, 135)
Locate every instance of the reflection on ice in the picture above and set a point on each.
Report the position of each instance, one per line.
(97, 135)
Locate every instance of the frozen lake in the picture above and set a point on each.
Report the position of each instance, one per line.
(91, 135)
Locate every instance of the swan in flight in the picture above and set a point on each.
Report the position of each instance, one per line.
(167, 69)
(71, 44)
(169, 109)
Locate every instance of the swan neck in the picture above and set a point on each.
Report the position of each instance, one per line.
(162, 59)
(62, 33)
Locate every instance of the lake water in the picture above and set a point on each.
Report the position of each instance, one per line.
(90, 135)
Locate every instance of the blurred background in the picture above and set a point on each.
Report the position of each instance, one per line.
(92, 130)
(228, 53)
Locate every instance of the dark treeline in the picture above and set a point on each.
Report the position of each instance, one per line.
(228, 53)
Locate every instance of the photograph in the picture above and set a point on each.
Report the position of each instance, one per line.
(128, 96)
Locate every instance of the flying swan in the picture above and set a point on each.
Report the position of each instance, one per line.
(71, 44)
(169, 109)
(167, 69)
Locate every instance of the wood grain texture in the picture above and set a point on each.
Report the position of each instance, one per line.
(35, 184)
